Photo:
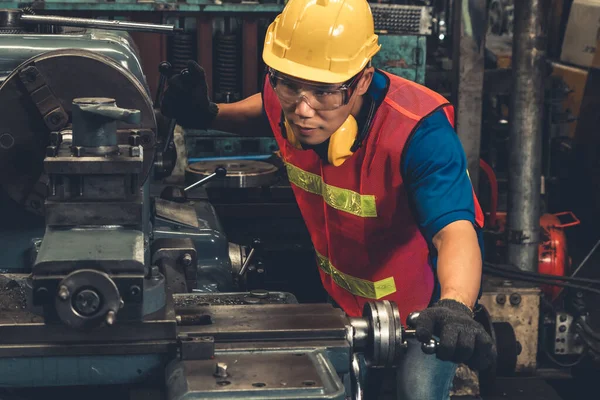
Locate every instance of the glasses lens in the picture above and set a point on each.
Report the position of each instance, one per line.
(318, 97)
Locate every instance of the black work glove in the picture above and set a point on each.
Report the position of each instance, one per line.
(461, 338)
(186, 99)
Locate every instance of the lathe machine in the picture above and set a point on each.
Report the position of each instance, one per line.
(105, 284)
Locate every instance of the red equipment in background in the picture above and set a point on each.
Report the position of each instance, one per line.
(553, 251)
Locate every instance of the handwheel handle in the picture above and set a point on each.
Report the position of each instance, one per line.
(429, 347)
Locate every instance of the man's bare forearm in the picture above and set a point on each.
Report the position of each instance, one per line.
(244, 117)
(459, 262)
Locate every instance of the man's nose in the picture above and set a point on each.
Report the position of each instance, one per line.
(303, 110)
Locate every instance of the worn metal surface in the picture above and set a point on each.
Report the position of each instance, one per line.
(402, 55)
(113, 248)
(470, 21)
(183, 214)
(183, 301)
(259, 375)
(565, 342)
(276, 321)
(93, 213)
(525, 125)
(519, 305)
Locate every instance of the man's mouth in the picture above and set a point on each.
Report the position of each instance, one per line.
(305, 130)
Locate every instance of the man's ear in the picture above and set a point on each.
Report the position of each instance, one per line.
(365, 81)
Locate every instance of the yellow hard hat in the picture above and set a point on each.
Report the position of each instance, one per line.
(326, 41)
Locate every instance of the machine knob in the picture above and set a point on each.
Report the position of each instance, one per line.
(219, 173)
(412, 319)
(429, 347)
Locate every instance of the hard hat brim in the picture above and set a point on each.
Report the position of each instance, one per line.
(307, 73)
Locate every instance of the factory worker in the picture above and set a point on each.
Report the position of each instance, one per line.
(379, 175)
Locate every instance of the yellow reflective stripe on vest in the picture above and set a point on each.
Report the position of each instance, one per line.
(357, 286)
(361, 205)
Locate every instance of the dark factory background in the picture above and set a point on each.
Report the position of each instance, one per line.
(477, 53)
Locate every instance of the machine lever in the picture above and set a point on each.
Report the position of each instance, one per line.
(165, 70)
(220, 172)
(179, 195)
(255, 245)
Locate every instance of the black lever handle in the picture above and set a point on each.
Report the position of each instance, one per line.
(166, 70)
(427, 347)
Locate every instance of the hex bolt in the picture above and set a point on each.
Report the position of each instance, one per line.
(515, 299)
(501, 298)
(187, 259)
(63, 293)
(51, 151)
(134, 151)
(55, 138)
(154, 271)
(221, 370)
(134, 139)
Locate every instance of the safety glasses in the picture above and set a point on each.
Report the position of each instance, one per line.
(321, 97)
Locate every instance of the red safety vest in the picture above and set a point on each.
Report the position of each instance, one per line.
(367, 241)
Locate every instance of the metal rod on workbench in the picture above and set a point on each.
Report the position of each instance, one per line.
(525, 144)
(98, 23)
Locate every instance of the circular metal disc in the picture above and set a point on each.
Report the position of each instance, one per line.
(387, 343)
(101, 284)
(240, 174)
(68, 74)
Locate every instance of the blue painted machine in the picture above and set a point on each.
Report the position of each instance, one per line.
(106, 282)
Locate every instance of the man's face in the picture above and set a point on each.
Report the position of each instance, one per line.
(315, 110)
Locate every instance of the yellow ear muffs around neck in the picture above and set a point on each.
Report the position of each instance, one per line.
(340, 142)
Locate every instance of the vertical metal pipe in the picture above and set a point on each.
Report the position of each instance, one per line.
(525, 145)
(468, 56)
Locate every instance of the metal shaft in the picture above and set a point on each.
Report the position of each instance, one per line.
(247, 262)
(98, 23)
(525, 145)
(200, 182)
(470, 27)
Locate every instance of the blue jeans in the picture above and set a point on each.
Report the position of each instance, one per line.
(418, 377)
(423, 377)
